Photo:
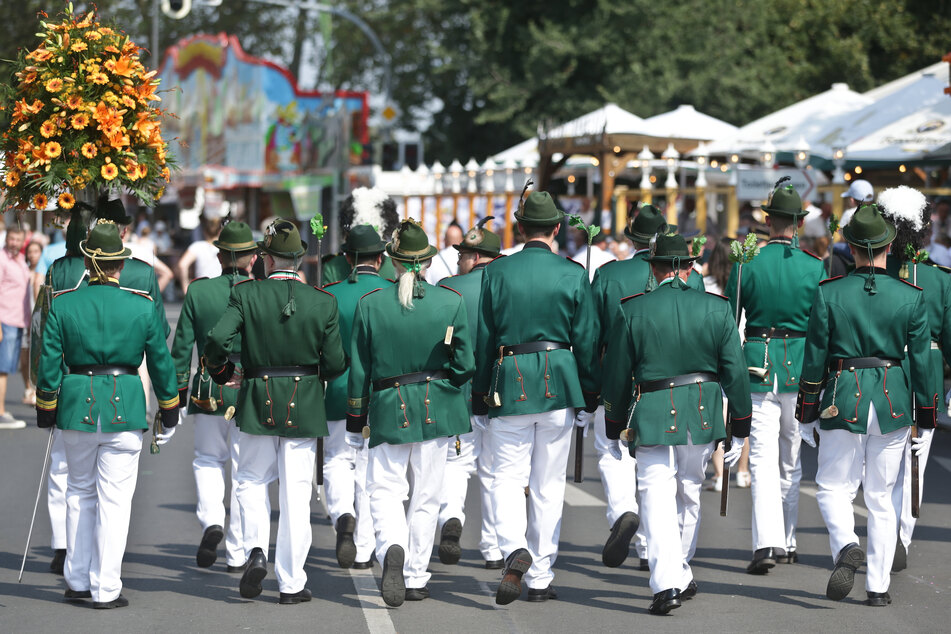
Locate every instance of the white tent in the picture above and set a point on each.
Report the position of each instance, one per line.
(687, 123)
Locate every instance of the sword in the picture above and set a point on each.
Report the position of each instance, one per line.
(915, 476)
(29, 535)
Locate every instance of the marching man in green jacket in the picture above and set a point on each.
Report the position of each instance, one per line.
(88, 386)
(216, 438)
(410, 356)
(536, 366)
(859, 330)
(345, 466)
(364, 206)
(673, 408)
(778, 288)
(290, 344)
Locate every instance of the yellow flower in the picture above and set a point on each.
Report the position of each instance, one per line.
(99, 78)
(30, 77)
(13, 178)
(77, 47)
(48, 129)
(66, 200)
(54, 85)
(166, 174)
(89, 150)
(53, 149)
(40, 201)
(74, 102)
(109, 171)
(80, 121)
(143, 171)
(95, 36)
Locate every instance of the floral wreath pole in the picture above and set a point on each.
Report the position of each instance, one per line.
(82, 119)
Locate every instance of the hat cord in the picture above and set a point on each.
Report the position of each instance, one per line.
(291, 306)
(870, 287)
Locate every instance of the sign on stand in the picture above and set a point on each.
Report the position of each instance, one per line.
(756, 183)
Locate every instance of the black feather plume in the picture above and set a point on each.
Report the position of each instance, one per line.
(481, 223)
(521, 198)
(781, 181)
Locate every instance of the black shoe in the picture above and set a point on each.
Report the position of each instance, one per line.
(644, 565)
(208, 548)
(237, 568)
(417, 594)
(393, 587)
(511, 586)
(292, 598)
(690, 592)
(449, 549)
(878, 599)
(76, 595)
(763, 560)
(494, 564)
(843, 575)
(362, 565)
(59, 561)
(346, 549)
(254, 572)
(789, 558)
(665, 601)
(119, 602)
(537, 595)
(618, 545)
(899, 563)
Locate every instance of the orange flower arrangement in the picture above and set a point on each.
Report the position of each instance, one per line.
(82, 114)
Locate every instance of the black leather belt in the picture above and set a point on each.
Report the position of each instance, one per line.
(677, 381)
(267, 372)
(534, 346)
(408, 379)
(862, 363)
(95, 370)
(773, 333)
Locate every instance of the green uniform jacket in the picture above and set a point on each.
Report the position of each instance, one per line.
(390, 341)
(936, 285)
(336, 269)
(289, 406)
(204, 303)
(848, 322)
(536, 295)
(669, 332)
(470, 287)
(778, 288)
(102, 324)
(348, 294)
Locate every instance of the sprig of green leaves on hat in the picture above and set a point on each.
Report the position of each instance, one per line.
(696, 245)
(916, 256)
(833, 224)
(317, 225)
(744, 252)
(590, 230)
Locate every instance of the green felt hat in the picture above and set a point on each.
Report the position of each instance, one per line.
(671, 247)
(363, 240)
(539, 210)
(104, 243)
(481, 240)
(282, 239)
(868, 228)
(648, 223)
(112, 210)
(410, 243)
(236, 237)
(784, 201)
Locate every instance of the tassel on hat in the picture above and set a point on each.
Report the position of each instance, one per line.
(870, 287)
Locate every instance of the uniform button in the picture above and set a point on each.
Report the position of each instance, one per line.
(403, 406)
(88, 399)
(518, 379)
(547, 377)
(267, 402)
(88, 373)
(85, 419)
(429, 420)
(404, 425)
(857, 395)
(397, 384)
(117, 398)
(292, 405)
(671, 384)
(296, 378)
(429, 378)
(426, 401)
(851, 369)
(118, 418)
(289, 423)
(265, 377)
(701, 408)
(886, 391)
(894, 415)
(673, 411)
(792, 378)
(269, 421)
(115, 374)
(672, 428)
(789, 363)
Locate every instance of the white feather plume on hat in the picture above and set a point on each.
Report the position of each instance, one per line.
(903, 203)
(368, 207)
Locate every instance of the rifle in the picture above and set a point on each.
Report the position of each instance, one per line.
(915, 476)
(318, 228)
(29, 535)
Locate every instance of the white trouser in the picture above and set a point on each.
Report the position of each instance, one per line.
(618, 478)
(474, 457)
(901, 494)
(843, 456)
(388, 485)
(776, 469)
(531, 450)
(669, 480)
(103, 469)
(345, 474)
(293, 461)
(56, 491)
(216, 445)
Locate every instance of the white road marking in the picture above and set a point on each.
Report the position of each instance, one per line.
(576, 496)
(811, 491)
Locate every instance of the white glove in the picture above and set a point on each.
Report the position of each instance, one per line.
(806, 431)
(480, 422)
(355, 440)
(614, 446)
(161, 439)
(732, 456)
(583, 420)
(921, 443)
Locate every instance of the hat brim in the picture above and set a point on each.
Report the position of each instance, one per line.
(283, 254)
(464, 247)
(645, 238)
(670, 258)
(122, 255)
(890, 232)
(428, 254)
(236, 247)
(541, 222)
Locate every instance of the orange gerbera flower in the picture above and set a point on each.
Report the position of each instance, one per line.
(89, 150)
(66, 200)
(13, 178)
(48, 129)
(79, 121)
(53, 149)
(109, 171)
(95, 36)
(40, 55)
(33, 108)
(166, 174)
(40, 201)
(111, 49)
(30, 77)
(21, 161)
(128, 101)
(78, 47)
(74, 102)
(99, 78)
(54, 85)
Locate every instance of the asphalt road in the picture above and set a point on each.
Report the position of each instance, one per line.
(168, 592)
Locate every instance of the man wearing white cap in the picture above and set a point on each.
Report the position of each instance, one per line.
(858, 193)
